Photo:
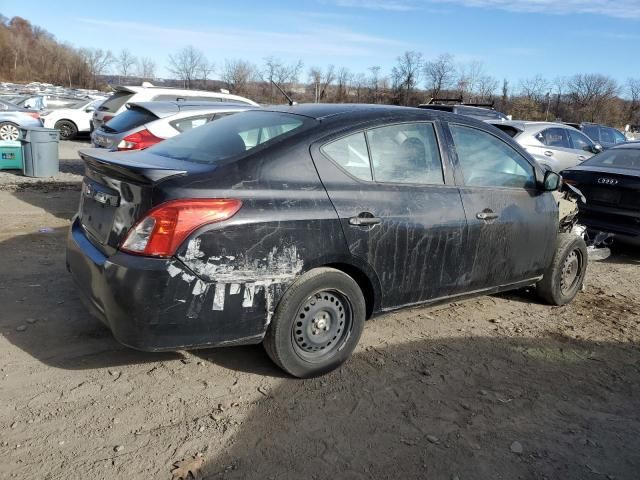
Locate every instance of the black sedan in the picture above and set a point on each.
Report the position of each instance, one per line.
(610, 181)
(293, 225)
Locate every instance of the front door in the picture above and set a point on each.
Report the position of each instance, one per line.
(512, 226)
(400, 211)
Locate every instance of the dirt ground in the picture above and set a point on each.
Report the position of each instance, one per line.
(498, 387)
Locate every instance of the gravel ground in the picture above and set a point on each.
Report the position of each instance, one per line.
(71, 169)
(499, 387)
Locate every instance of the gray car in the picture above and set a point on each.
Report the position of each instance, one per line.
(146, 123)
(555, 146)
(12, 118)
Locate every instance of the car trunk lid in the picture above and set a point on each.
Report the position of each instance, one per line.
(118, 189)
(617, 187)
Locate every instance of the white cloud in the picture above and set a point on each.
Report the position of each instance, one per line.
(316, 40)
(629, 9)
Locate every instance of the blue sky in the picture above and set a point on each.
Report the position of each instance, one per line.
(514, 39)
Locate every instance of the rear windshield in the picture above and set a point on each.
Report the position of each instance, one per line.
(115, 101)
(231, 136)
(617, 157)
(130, 118)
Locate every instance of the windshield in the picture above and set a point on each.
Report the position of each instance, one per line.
(231, 136)
(617, 157)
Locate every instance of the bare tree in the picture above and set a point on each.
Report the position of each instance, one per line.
(468, 76)
(146, 68)
(633, 89)
(186, 64)
(205, 69)
(321, 81)
(440, 73)
(406, 74)
(236, 74)
(534, 88)
(97, 61)
(342, 79)
(274, 70)
(590, 92)
(374, 82)
(125, 63)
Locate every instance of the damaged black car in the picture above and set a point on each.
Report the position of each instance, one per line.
(291, 226)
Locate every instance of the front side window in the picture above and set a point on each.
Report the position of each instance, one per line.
(619, 137)
(405, 153)
(487, 161)
(351, 154)
(580, 141)
(554, 137)
(606, 136)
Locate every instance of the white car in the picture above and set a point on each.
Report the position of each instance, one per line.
(115, 104)
(73, 120)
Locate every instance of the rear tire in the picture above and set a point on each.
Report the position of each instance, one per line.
(317, 323)
(9, 131)
(68, 129)
(564, 277)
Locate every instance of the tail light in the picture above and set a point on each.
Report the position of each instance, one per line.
(139, 140)
(35, 115)
(165, 227)
(106, 118)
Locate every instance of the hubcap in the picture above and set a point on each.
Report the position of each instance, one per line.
(322, 325)
(570, 272)
(9, 132)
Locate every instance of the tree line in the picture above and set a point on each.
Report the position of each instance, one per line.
(28, 53)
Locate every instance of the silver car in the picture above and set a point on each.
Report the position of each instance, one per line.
(554, 145)
(147, 123)
(12, 118)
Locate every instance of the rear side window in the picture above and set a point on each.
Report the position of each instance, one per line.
(554, 137)
(131, 118)
(351, 154)
(232, 136)
(592, 131)
(188, 123)
(115, 101)
(405, 153)
(487, 161)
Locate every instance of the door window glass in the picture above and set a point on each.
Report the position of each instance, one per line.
(593, 131)
(351, 154)
(606, 136)
(554, 137)
(188, 123)
(620, 138)
(580, 141)
(487, 161)
(405, 153)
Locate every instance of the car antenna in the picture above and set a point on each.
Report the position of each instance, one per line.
(291, 102)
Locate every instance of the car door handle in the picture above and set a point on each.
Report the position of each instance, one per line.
(486, 215)
(364, 219)
(548, 153)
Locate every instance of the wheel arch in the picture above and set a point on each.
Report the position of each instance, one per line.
(66, 120)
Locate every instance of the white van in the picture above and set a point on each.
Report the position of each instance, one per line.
(115, 104)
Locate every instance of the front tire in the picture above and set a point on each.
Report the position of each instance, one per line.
(564, 277)
(317, 323)
(68, 129)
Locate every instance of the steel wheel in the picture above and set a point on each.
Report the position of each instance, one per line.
(571, 270)
(9, 131)
(322, 325)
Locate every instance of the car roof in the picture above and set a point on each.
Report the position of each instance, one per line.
(628, 145)
(524, 124)
(165, 108)
(324, 111)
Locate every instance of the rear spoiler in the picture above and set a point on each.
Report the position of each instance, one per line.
(133, 169)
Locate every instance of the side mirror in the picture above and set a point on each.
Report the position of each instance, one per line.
(90, 109)
(551, 181)
(597, 148)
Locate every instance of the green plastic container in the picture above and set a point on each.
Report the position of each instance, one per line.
(10, 155)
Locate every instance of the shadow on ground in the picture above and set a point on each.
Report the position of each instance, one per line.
(450, 408)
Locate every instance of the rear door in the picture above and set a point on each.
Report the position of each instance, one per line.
(398, 206)
(512, 226)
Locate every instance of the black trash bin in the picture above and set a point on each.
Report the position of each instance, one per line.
(40, 151)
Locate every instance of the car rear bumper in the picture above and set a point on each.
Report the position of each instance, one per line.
(156, 304)
(626, 228)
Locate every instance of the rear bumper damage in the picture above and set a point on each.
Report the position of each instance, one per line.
(157, 304)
